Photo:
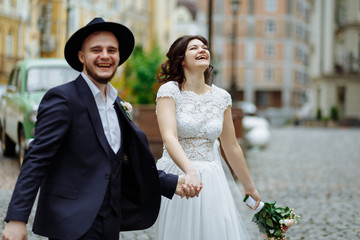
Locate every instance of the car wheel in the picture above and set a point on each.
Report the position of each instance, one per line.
(22, 149)
(7, 146)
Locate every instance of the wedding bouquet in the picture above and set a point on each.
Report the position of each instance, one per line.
(273, 221)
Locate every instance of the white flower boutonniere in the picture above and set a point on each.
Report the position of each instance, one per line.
(127, 107)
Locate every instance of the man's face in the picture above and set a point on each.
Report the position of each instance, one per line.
(100, 56)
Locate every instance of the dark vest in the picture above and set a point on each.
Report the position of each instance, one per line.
(112, 199)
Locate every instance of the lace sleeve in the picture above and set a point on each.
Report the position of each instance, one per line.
(228, 100)
(169, 89)
(222, 97)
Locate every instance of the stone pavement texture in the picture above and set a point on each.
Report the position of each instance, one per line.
(313, 170)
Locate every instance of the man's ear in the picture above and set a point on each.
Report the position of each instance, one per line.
(81, 56)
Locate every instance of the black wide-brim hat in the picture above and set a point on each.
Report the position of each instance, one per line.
(123, 34)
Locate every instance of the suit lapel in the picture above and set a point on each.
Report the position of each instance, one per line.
(121, 110)
(89, 101)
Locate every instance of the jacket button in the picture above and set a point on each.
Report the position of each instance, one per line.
(107, 176)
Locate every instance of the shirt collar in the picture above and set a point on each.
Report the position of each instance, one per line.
(110, 90)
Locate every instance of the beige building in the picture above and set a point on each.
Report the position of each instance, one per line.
(271, 52)
(335, 62)
(260, 49)
(40, 28)
(13, 34)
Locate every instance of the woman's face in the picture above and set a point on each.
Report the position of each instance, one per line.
(197, 55)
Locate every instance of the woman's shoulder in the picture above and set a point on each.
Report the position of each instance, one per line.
(168, 89)
(222, 95)
(219, 91)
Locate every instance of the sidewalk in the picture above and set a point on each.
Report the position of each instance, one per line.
(313, 170)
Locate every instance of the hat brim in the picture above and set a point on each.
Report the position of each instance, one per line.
(123, 34)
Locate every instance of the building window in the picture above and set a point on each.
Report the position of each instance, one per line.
(300, 31)
(263, 99)
(269, 74)
(270, 27)
(301, 8)
(300, 77)
(340, 14)
(270, 51)
(271, 5)
(358, 47)
(299, 54)
(9, 45)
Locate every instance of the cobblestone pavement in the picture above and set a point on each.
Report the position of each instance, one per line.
(313, 170)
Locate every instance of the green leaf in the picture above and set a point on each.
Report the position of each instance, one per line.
(278, 233)
(269, 222)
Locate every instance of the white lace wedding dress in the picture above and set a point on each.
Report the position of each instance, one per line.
(213, 215)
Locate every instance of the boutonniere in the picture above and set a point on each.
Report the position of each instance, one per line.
(127, 107)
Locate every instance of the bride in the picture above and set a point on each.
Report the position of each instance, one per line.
(192, 115)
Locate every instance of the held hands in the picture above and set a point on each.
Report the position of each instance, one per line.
(187, 190)
(15, 230)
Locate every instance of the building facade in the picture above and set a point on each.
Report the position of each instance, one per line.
(335, 62)
(264, 51)
(40, 28)
(14, 31)
(260, 49)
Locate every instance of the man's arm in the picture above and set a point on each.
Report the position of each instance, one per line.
(168, 184)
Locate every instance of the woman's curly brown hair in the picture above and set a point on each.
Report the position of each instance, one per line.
(172, 69)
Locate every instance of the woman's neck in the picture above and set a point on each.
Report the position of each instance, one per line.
(195, 81)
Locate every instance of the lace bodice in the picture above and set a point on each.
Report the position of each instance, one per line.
(199, 118)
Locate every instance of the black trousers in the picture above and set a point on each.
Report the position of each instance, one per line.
(103, 228)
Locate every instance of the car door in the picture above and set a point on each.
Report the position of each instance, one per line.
(12, 104)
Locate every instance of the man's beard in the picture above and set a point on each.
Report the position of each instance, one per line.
(97, 78)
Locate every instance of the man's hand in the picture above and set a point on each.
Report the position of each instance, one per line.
(185, 190)
(15, 230)
(180, 190)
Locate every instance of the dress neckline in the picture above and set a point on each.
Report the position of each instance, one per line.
(201, 95)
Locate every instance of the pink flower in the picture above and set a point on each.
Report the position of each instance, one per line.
(284, 229)
(127, 106)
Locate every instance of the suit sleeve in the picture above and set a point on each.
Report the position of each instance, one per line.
(168, 183)
(51, 125)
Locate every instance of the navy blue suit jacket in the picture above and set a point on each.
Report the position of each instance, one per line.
(69, 161)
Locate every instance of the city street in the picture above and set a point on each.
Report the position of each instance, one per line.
(313, 170)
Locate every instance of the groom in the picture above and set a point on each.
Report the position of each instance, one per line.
(93, 166)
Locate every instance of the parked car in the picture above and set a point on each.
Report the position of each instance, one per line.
(2, 90)
(248, 108)
(28, 82)
(257, 131)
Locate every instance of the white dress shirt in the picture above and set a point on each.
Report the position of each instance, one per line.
(107, 112)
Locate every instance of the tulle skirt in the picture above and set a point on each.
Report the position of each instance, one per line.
(211, 216)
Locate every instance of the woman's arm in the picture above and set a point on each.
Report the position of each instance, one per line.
(235, 156)
(166, 116)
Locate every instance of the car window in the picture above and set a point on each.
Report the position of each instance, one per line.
(18, 80)
(13, 83)
(42, 79)
(13, 78)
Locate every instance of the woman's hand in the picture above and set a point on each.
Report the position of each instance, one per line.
(186, 190)
(192, 184)
(255, 195)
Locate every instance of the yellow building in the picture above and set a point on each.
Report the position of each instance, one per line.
(11, 31)
(40, 28)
